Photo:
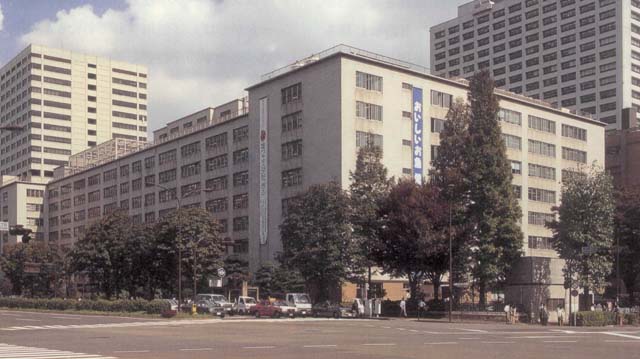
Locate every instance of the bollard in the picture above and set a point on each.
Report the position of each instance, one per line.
(194, 310)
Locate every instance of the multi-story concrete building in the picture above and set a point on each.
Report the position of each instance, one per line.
(66, 102)
(579, 54)
(304, 126)
(28, 213)
(623, 156)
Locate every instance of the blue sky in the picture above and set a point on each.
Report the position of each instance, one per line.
(204, 53)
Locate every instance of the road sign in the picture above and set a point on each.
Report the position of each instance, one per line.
(574, 293)
(4, 226)
(221, 272)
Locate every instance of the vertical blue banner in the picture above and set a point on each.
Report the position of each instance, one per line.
(417, 134)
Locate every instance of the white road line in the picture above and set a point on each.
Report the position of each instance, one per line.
(379, 344)
(67, 318)
(621, 341)
(260, 347)
(543, 337)
(622, 335)
(14, 351)
(413, 330)
(468, 338)
(195, 349)
(442, 343)
(131, 351)
(559, 341)
(320, 346)
(473, 330)
(498, 342)
(29, 320)
(10, 315)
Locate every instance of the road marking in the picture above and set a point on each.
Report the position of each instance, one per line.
(195, 349)
(260, 347)
(131, 351)
(10, 315)
(29, 320)
(15, 351)
(413, 330)
(621, 341)
(386, 327)
(543, 337)
(442, 343)
(622, 335)
(468, 338)
(559, 341)
(563, 331)
(320, 346)
(473, 330)
(379, 344)
(498, 342)
(67, 318)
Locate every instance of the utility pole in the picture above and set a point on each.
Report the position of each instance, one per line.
(450, 267)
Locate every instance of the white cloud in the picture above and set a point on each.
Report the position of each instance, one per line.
(205, 52)
(1, 18)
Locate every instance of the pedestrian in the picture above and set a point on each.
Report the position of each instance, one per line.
(560, 313)
(507, 311)
(514, 314)
(544, 315)
(421, 308)
(403, 308)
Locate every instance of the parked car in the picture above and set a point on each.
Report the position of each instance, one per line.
(243, 305)
(329, 310)
(215, 304)
(301, 302)
(276, 309)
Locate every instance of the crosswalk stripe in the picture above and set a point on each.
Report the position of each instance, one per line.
(8, 351)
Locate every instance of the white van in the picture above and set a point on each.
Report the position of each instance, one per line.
(301, 302)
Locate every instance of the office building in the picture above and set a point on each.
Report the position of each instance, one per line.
(66, 102)
(622, 156)
(304, 125)
(578, 54)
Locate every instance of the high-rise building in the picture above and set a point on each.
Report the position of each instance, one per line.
(304, 125)
(578, 54)
(66, 102)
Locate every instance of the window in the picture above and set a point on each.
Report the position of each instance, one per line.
(217, 205)
(542, 195)
(437, 125)
(368, 81)
(542, 171)
(167, 176)
(365, 139)
(368, 111)
(240, 224)
(292, 122)
(511, 141)
(292, 93)
(217, 162)
(540, 219)
(542, 124)
(240, 134)
(215, 142)
(167, 157)
(574, 132)
(536, 242)
(190, 149)
(542, 148)
(94, 180)
(240, 179)
(219, 183)
(241, 201)
(167, 195)
(190, 169)
(571, 154)
(292, 178)
(291, 149)
(440, 99)
(241, 156)
(516, 167)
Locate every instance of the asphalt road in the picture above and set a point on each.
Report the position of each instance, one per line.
(45, 335)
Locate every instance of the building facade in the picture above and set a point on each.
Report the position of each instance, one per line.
(578, 54)
(304, 126)
(623, 156)
(66, 102)
(30, 196)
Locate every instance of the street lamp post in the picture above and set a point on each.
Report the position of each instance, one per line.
(178, 199)
(450, 267)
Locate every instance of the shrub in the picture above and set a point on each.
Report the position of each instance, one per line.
(595, 319)
(99, 305)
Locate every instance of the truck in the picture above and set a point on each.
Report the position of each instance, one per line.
(301, 302)
(243, 305)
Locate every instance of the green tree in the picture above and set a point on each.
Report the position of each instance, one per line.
(493, 211)
(33, 269)
(237, 270)
(102, 253)
(369, 185)
(412, 240)
(583, 232)
(194, 235)
(275, 279)
(317, 239)
(627, 227)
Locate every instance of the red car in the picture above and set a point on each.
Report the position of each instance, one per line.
(274, 310)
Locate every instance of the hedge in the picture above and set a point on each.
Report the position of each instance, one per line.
(128, 306)
(601, 319)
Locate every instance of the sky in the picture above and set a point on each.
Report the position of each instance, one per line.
(203, 53)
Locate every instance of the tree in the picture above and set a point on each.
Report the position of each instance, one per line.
(369, 185)
(317, 240)
(194, 235)
(493, 211)
(412, 240)
(34, 269)
(583, 232)
(627, 227)
(102, 253)
(277, 279)
(237, 270)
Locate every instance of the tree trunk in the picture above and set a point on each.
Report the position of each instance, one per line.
(482, 291)
(437, 283)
